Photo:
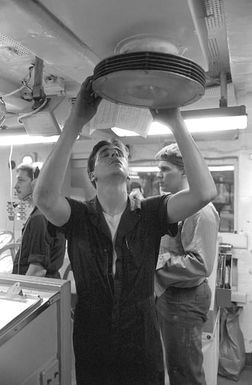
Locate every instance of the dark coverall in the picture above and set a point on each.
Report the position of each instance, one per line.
(42, 243)
(116, 335)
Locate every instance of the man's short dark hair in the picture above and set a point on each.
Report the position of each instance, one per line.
(96, 148)
(31, 170)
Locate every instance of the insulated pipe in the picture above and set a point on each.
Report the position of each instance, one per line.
(223, 89)
(38, 93)
(198, 16)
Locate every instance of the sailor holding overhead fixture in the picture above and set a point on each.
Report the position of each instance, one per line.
(113, 245)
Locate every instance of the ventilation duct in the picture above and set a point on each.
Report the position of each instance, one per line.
(50, 120)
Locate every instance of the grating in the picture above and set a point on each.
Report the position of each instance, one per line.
(13, 47)
(218, 55)
(214, 14)
(213, 48)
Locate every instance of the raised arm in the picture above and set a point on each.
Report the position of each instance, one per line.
(47, 193)
(201, 185)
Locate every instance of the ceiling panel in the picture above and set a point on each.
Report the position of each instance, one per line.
(239, 32)
(102, 24)
(73, 36)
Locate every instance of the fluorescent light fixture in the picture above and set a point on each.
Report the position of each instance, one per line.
(216, 119)
(156, 128)
(136, 169)
(144, 169)
(19, 140)
(222, 168)
(202, 120)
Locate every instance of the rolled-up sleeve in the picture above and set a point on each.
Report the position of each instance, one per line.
(39, 242)
(157, 214)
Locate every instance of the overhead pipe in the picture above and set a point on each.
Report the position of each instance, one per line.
(38, 90)
(197, 11)
(223, 89)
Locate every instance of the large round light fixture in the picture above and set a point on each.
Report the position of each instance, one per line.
(143, 75)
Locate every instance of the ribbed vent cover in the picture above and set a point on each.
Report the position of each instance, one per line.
(13, 47)
(214, 13)
(217, 37)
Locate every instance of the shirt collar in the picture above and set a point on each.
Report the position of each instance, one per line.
(132, 204)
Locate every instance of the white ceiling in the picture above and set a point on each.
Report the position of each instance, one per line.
(72, 36)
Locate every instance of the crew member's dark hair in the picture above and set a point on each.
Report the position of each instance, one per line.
(96, 148)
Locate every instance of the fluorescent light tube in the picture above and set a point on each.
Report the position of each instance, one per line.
(144, 169)
(136, 169)
(222, 168)
(17, 140)
(205, 120)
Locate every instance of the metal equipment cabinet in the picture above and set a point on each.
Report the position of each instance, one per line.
(35, 332)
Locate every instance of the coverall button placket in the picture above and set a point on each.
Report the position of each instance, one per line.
(108, 253)
(116, 301)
